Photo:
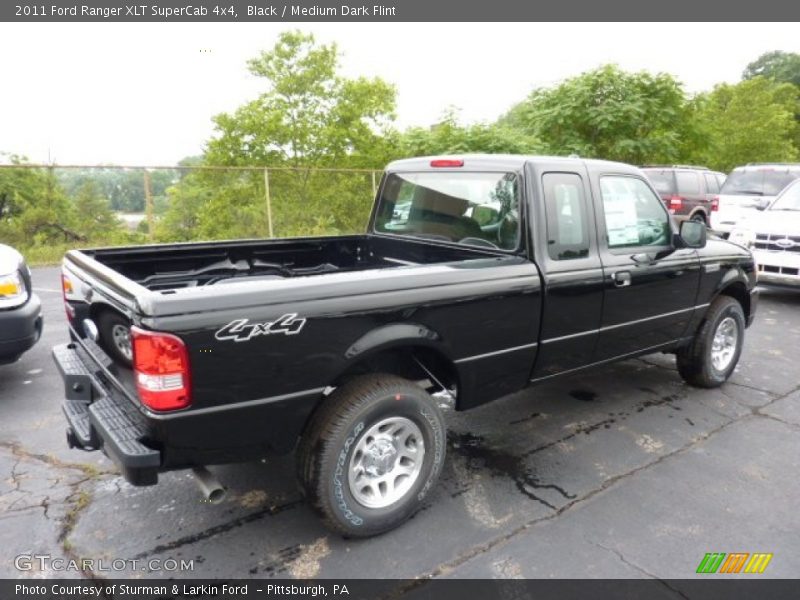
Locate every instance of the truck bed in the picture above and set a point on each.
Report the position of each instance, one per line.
(164, 268)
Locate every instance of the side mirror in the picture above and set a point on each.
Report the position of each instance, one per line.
(762, 204)
(692, 234)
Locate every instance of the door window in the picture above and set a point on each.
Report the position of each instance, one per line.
(567, 231)
(634, 215)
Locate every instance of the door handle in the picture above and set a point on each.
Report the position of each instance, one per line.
(622, 278)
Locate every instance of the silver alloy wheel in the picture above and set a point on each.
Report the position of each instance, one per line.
(122, 340)
(386, 462)
(723, 347)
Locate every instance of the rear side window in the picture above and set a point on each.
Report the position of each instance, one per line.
(634, 215)
(663, 181)
(712, 187)
(688, 183)
(474, 209)
(565, 205)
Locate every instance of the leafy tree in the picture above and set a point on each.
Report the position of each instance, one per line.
(33, 207)
(96, 221)
(780, 66)
(124, 188)
(308, 117)
(752, 121)
(449, 137)
(609, 113)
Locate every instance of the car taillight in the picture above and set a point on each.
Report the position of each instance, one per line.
(66, 289)
(675, 202)
(161, 367)
(447, 162)
(715, 204)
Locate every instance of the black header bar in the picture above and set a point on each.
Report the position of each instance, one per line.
(308, 11)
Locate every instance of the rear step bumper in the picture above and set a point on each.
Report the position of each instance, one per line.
(95, 421)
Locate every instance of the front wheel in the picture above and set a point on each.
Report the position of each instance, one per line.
(714, 351)
(371, 454)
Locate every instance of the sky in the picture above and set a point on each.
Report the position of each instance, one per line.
(144, 93)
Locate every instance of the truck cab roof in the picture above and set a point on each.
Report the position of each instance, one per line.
(511, 162)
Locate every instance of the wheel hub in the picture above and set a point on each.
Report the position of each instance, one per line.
(380, 457)
(723, 347)
(122, 340)
(386, 462)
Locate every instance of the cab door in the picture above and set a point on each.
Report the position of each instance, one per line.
(650, 287)
(573, 297)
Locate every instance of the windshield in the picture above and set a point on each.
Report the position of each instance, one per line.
(789, 200)
(758, 182)
(475, 209)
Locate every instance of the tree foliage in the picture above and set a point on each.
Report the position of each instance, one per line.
(309, 116)
(609, 113)
(783, 67)
(752, 121)
(36, 210)
(450, 137)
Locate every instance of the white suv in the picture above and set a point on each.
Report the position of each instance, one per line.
(747, 190)
(774, 238)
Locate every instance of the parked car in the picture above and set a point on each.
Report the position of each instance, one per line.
(20, 308)
(774, 237)
(688, 192)
(505, 271)
(748, 189)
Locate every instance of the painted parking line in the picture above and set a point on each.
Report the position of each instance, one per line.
(48, 290)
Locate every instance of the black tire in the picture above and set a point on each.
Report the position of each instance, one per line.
(336, 430)
(107, 321)
(695, 364)
(700, 218)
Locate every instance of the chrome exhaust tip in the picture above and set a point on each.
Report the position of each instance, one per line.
(213, 491)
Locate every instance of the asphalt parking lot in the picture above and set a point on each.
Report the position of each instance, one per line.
(624, 472)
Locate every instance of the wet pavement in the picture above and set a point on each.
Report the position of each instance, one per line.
(623, 471)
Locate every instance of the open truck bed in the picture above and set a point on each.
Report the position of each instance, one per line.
(165, 268)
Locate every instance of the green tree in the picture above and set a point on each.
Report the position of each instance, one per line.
(609, 113)
(96, 220)
(450, 137)
(779, 66)
(308, 117)
(751, 121)
(34, 210)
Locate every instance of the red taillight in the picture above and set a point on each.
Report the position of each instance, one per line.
(715, 204)
(447, 162)
(675, 202)
(66, 288)
(161, 366)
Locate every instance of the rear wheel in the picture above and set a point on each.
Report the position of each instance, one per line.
(714, 351)
(700, 218)
(115, 336)
(371, 454)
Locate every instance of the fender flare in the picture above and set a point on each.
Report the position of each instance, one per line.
(391, 336)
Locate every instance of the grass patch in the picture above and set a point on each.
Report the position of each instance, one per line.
(41, 256)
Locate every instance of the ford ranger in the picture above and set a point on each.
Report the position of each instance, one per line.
(477, 276)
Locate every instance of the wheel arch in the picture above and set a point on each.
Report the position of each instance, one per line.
(735, 286)
(403, 349)
(406, 350)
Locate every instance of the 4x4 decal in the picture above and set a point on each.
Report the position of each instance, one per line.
(240, 331)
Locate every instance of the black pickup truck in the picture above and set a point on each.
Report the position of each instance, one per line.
(477, 276)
